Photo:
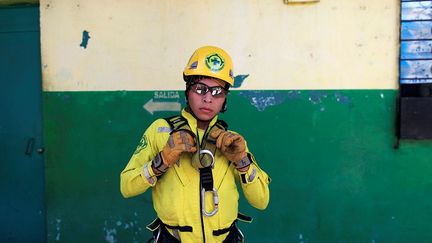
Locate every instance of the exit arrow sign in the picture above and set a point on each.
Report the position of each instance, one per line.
(152, 106)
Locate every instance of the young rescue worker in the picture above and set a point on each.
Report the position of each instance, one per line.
(192, 162)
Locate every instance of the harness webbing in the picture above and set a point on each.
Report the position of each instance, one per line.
(206, 178)
(179, 123)
(157, 223)
(240, 217)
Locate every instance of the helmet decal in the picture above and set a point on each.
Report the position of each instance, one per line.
(194, 65)
(214, 62)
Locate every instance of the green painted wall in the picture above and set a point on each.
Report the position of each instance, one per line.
(8, 3)
(335, 174)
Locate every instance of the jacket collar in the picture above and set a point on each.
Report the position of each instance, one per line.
(192, 121)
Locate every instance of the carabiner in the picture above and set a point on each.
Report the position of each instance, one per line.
(215, 201)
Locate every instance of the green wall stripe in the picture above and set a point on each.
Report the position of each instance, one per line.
(335, 174)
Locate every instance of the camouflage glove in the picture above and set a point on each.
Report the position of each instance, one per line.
(178, 143)
(232, 145)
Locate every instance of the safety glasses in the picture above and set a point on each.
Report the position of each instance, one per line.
(215, 91)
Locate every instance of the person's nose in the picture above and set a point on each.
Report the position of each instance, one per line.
(207, 97)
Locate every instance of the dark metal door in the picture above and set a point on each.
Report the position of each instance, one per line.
(21, 151)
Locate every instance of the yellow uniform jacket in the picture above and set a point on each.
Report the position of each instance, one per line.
(176, 193)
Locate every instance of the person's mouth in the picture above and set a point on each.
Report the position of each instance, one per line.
(206, 110)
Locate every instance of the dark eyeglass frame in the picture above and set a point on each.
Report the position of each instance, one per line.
(202, 89)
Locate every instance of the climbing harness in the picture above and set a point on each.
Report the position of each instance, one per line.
(203, 160)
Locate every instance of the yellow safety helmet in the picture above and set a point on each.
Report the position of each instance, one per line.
(212, 62)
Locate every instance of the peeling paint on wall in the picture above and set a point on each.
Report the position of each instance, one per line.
(342, 98)
(110, 235)
(316, 96)
(263, 99)
(114, 229)
(85, 39)
(58, 229)
(238, 80)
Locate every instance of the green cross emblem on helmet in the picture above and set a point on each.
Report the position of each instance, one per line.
(214, 62)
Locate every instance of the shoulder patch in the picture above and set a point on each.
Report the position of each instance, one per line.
(142, 144)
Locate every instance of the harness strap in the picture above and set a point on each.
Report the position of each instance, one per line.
(179, 123)
(158, 223)
(225, 230)
(222, 124)
(244, 217)
(240, 216)
(175, 122)
(180, 228)
(206, 178)
(154, 225)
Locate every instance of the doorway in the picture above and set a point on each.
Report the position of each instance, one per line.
(22, 207)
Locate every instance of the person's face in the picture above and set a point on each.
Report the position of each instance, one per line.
(206, 98)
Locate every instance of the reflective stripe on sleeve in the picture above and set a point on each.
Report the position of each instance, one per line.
(248, 176)
(164, 129)
(252, 175)
(151, 179)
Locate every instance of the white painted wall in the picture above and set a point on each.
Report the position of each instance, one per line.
(144, 44)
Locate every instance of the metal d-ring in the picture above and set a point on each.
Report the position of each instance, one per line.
(206, 151)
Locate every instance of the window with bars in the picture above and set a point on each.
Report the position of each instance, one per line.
(415, 70)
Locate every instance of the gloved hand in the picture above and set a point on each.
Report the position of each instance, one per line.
(178, 142)
(232, 145)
